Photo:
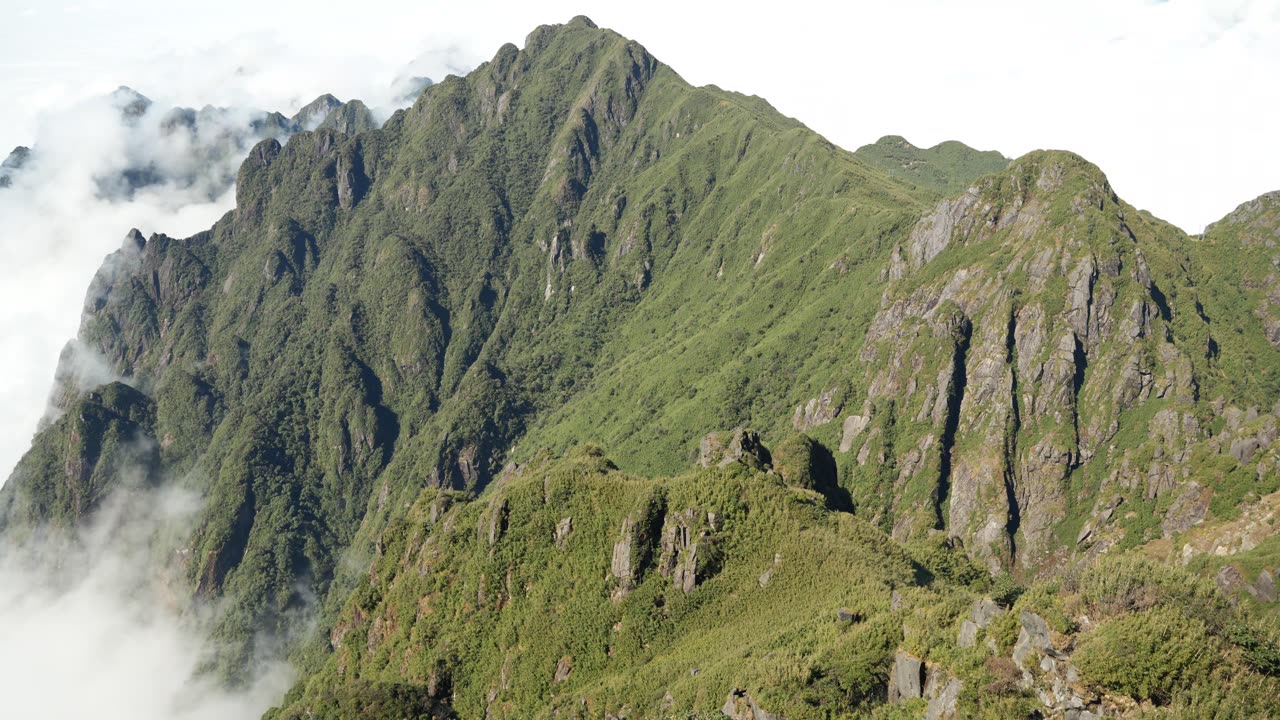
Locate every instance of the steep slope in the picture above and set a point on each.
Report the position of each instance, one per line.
(572, 590)
(572, 245)
(946, 168)
(395, 307)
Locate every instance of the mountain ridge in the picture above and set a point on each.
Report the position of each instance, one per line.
(367, 367)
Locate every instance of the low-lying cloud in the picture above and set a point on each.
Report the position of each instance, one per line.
(96, 625)
(100, 624)
(98, 168)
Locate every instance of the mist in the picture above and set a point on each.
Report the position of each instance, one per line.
(72, 202)
(98, 621)
(94, 624)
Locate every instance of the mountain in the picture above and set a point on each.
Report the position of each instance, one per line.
(946, 168)
(310, 116)
(192, 149)
(12, 164)
(577, 391)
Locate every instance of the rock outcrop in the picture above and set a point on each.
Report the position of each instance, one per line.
(723, 449)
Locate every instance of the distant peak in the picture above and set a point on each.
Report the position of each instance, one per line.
(408, 89)
(349, 119)
(16, 158)
(131, 103)
(895, 141)
(1255, 219)
(134, 241)
(583, 20)
(948, 167)
(310, 116)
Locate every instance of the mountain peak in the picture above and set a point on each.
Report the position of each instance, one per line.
(1255, 221)
(131, 103)
(955, 365)
(947, 168)
(349, 118)
(542, 36)
(310, 116)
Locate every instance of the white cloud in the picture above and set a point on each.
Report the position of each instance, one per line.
(92, 628)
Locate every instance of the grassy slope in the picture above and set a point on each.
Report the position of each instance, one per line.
(947, 168)
(480, 620)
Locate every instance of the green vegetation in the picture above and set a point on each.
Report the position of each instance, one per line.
(390, 369)
(947, 168)
(1148, 655)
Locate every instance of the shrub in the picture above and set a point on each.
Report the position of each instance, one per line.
(1124, 584)
(1148, 655)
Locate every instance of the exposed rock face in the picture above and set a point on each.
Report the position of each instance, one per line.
(1002, 378)
(622, 566)
(563, 668)
(851, 429)
(984, 611)
(635, 548)
(688, 551)
(943, 693)
(1230, 580)
(1048, 672)
(911, 678)
(932, 235)
(497, 520)
(563, 528)
(906, 678)
(818, 411)
(1264, 588)
(767, 576)
(1258, 521)
(1188, 509)
(722, 449)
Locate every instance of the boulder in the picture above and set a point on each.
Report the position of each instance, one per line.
(906, 678)
(1230, 580)
(563, 669)
(848, 616)
(563, 528)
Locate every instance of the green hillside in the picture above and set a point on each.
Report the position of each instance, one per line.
(946, 168)
(389, 369)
